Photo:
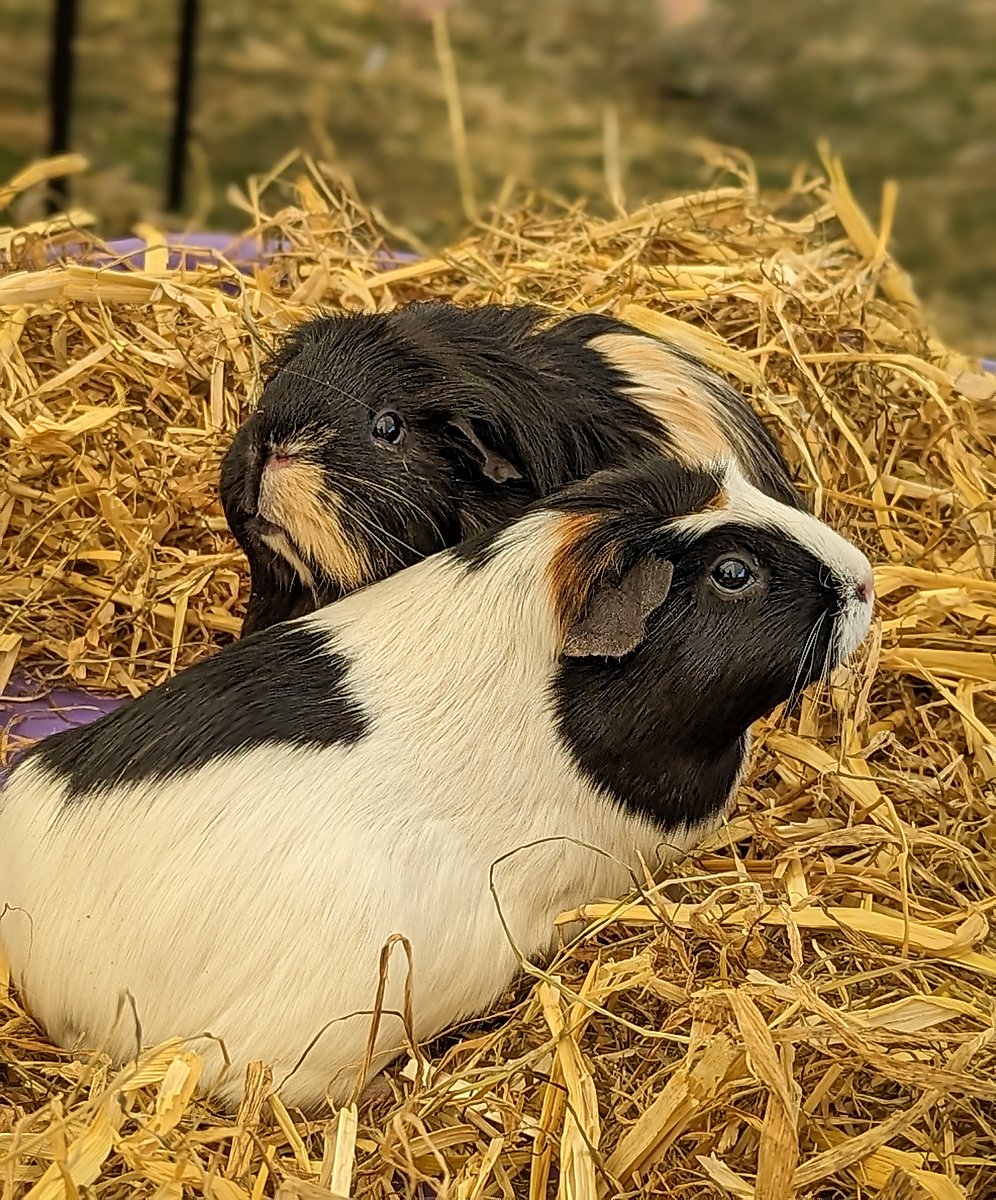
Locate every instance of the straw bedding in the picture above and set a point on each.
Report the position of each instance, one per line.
(808, 1010)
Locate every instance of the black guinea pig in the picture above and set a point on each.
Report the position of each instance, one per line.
(381, 438)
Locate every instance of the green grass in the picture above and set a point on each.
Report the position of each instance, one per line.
(904, 90)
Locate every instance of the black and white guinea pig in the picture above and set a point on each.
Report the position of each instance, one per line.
(381, 438)
(234, 848)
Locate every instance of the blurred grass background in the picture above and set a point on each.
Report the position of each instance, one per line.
(904, 90)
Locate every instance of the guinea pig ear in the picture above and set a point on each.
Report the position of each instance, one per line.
(495, 467)
(612, 623)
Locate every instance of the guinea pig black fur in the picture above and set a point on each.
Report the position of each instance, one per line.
(381, 438)
(234, 848)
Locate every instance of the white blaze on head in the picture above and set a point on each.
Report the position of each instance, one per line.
(849, 567)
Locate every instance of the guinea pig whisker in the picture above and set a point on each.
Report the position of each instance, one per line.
(377, 488)
(352, 489)
(822, 680)
(370, 528)
(808, 648)
(817, 629)
(405, 545)
(828, 658)
(374, 531)
(326, 383)
(403, 501)
(378, 536)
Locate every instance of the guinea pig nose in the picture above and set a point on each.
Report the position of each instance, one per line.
(278, 457)
(865, 589)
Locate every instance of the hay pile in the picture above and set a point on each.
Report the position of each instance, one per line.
(814, 1015)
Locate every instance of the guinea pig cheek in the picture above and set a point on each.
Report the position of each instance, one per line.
(295, 496)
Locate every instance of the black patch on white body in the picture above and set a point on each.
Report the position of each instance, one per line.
(288, 687)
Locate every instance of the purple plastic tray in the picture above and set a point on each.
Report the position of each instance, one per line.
(23, 711)
(29, 713)
(190, 250)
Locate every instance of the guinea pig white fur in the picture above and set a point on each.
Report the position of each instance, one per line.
(381, 438)
(234, 848)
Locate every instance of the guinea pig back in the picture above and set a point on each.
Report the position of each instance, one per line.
(231, 850)
(381, 438)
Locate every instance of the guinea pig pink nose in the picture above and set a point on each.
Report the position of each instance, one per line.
(866, 587)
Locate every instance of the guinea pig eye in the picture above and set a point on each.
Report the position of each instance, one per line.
(388, 427)
(732, 575)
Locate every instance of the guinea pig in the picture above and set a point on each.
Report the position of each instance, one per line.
(234, 848)
(381, 438)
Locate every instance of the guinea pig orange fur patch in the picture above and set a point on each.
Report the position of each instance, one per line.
(666, 386)
(575, 565)
(719, 503)
(295, 498)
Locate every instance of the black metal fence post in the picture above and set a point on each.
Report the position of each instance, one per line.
(182, 106)
(60, 91)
